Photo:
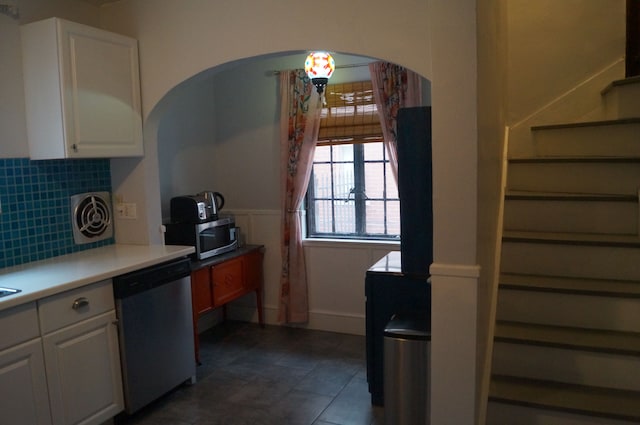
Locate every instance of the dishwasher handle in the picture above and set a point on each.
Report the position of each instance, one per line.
(148, 278)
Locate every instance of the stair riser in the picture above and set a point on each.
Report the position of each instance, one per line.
(571, 260)
(609, 140)
(592, 286)
(552, 308)
(622, 102)
(572, 216)
(508, 414)
(568, 366)
(601, 178)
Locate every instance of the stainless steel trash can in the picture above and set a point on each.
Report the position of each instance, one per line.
(407, 344)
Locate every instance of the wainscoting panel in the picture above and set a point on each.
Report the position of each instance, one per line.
(335, 275)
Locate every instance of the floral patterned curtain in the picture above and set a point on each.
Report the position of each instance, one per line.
(394, 87)
(299, 125)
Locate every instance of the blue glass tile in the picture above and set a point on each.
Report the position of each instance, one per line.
(35, 221)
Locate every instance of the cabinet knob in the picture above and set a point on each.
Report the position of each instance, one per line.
(79, 303)
(74, 147)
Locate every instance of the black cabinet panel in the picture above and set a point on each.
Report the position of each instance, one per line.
(389, 292)
(415, 189)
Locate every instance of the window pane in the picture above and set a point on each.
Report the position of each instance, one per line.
(393, 217)
(342, 153)
(375, 217)
(335, 210)
(323, 217)
(374, 180)
(322, 180)
(373, 151)
(392, 187)
(345, 216)
(322, 154)
(343, 180)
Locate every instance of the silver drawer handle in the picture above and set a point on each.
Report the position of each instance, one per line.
(79, 303)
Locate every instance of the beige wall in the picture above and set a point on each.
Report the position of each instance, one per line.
(552, 46)
(492, 109)
(555, 45)
(434, 38)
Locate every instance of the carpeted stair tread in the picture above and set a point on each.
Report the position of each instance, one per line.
(594, 401)
(598, 340)
(571, 285)
(593, 239)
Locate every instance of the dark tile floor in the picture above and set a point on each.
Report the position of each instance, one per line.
(274, 375)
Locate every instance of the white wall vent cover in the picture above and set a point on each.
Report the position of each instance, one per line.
(92, 218)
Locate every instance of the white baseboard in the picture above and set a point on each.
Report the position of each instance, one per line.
(318, 320)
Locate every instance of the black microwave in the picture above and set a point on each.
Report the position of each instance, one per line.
(209, 239)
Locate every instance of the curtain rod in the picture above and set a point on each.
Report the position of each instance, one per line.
(351, 65)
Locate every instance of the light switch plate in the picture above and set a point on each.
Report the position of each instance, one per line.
(127, 211)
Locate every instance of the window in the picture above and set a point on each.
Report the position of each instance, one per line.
(352, 192)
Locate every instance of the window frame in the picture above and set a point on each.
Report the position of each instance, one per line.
(360, 198)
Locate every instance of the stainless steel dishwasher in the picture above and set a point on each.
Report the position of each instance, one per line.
(155, 327)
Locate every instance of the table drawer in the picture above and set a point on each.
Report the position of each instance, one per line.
(66, 308)
(228, 281)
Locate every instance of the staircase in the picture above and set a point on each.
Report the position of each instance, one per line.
(567, 336)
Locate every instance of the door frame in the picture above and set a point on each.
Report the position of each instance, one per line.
(632, 54)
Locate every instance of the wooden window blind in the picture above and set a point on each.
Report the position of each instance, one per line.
(349, 115)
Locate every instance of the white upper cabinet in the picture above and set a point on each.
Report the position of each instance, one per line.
(82, 91)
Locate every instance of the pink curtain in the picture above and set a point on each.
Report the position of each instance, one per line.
(299, 125)
(394, 87)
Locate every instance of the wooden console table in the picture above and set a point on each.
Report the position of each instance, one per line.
(219, 280)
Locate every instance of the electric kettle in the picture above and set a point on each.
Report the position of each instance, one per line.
(214, 201)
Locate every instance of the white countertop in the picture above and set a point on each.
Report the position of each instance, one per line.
(40, 279)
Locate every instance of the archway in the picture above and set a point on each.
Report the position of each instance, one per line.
(218, 129)
(435, 38)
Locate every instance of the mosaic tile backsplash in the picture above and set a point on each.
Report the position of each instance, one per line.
(35, 222)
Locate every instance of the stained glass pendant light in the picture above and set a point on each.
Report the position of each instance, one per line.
(319, 66)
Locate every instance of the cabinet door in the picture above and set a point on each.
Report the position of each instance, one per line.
(23, 385)
(82, 91)
(201, 292)
(83, 371)
(228, 280)
(102, 92)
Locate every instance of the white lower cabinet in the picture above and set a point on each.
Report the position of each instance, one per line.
(60, 360)
(23, 385)
(83, 371)
(81, 355)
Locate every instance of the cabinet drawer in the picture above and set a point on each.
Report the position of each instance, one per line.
(72, 306)
(228, 281)
(201, 293)
(18, 324)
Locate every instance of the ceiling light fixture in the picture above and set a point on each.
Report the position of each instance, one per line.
(319, 66)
